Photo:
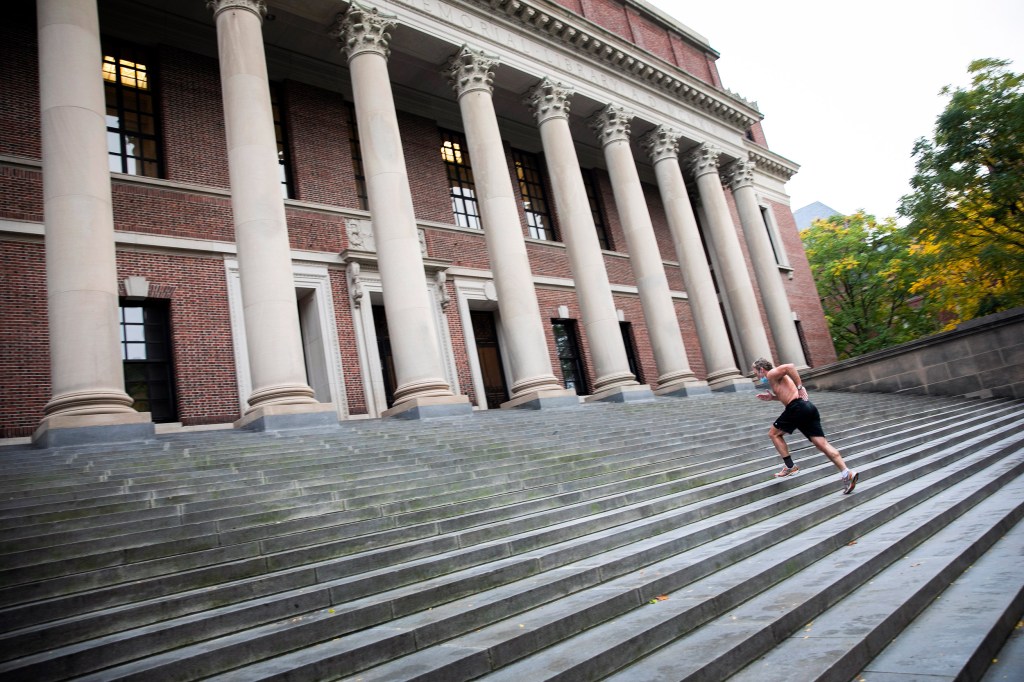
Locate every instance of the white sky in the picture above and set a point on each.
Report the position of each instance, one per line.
(846, 88)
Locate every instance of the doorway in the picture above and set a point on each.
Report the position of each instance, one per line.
(146, 358)
(387, 360)
(489, 355)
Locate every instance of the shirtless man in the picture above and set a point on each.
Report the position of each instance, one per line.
(783, 384)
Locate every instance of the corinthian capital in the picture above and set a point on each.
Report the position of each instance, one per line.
(257, 7)
(469, 70)
(740, 173)
(611, 124)
(661, 143)
(704, 160)
(549, 99)
(364, 29)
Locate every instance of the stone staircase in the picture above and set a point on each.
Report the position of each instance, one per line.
(624, 542)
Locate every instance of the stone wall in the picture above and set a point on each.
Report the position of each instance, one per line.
(983, 358)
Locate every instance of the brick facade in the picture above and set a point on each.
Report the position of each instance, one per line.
(177, 231)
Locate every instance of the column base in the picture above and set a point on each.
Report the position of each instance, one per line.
(733, 384)
(634, 393)
(288, 416)
(90, 429)
(684, 390)
(543, 400)
(431, 407)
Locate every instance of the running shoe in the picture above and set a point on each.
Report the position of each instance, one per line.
(850, 482)
(786, 471)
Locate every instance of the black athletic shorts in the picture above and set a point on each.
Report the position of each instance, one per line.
(800, 414)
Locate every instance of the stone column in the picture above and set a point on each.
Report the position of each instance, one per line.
(612, 126)
(734, 279)
(549, 102)
(662, 146)
(422, 390)
(534, 385)
(740, 175)
(280, 397)
(88, 403)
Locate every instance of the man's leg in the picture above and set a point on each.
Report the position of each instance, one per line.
(829, 451)
(778, 437)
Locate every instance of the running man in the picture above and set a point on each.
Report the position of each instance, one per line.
(783, 384)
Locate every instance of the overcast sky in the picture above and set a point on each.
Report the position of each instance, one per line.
(846, 88)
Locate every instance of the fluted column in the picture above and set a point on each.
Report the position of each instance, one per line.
(735, 281)
(740, 175)
(422, 390)
(280, 394)
(534, 385)
(612, 126)
(549, 102)
(662, 146)
(88, 401)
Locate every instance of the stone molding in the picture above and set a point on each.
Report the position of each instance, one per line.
(549, 99)
(257, 7)
(739, 174)
(703, 160)
(470, 70)
(612, 124)
(661, 143)
(773, 166)
(715, 102)
(364, 29)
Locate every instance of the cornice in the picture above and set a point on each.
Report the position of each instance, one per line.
(773, 164)
(577, 33)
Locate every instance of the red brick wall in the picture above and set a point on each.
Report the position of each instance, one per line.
(318, 128)
(347, 343)
(22, 192)
(19, 80)
(204, 361)
(24, 338)
(608, 14)
(191, 118)
(428, 176)
(650, 36)
(694, 61)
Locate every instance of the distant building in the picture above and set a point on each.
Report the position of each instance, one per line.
(811, 212)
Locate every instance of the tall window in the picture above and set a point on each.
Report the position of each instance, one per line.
(358, 174)
(460, 179)
(132, 144)
(569, 357)
(590, 182)
(283, 157)
(535, 201)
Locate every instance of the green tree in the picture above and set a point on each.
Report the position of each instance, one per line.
(967, 208)
(864, 272)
